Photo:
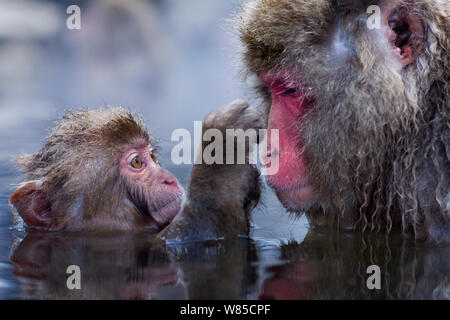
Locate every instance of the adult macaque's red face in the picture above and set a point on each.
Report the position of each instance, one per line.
(401, 39)
(289, 102)
(154, 190)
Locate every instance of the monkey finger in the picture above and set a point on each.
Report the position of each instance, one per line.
(226, 116)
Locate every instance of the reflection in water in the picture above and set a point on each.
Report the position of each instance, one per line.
(111, 267)
(131, 267)
(326, 265)
(333, 265)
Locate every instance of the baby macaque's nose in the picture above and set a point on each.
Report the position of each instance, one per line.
(168, 180)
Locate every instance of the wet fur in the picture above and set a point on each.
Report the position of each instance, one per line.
(79, 165)
(377, 140)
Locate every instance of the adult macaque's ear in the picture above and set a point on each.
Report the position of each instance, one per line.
(406, 32)
(32, 205)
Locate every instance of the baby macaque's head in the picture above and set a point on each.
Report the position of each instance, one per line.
(97, 171)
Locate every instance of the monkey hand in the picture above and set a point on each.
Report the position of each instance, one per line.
(222, 190)
(235, 115)
(237, 122)
(240, 127)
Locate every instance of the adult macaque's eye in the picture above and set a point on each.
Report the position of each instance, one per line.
(137, 163)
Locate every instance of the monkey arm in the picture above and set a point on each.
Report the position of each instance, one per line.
(220, 197)
(219, 203)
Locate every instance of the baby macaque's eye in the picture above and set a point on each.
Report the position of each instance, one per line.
(137, 163)
(153, 156)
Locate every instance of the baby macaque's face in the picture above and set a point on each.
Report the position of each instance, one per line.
(97, 172)
(152, 189)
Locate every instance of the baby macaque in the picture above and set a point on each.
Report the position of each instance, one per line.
(98, 171)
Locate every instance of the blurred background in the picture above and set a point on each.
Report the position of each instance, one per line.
(169, 60)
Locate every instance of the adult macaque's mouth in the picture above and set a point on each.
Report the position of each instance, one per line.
(297, 197)
(281, 189)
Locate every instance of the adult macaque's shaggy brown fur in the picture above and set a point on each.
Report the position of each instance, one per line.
(377, 139)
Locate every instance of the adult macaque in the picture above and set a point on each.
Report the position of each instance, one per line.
(98, 172)
(363, 115)
(130, 265)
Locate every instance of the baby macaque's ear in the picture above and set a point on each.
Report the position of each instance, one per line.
(32, 204)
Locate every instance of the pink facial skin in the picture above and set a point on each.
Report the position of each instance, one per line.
(289, 102)
(163, 198)
(405, 34)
